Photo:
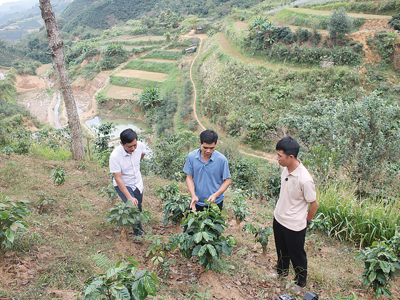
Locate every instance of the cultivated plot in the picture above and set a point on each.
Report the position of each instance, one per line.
(122, 92)
(155, 76)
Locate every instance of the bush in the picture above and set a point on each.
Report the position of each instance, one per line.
(203, 238)
(124, 281)
(127, 215)
(339, 24)
(239, 206)
(11, 222)
(362, 133)
(381, 264)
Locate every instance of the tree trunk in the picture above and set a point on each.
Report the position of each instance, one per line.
(56, 48)
(124, 234)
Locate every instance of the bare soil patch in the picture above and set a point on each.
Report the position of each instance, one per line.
(376, 24)
(120, 92)
(27, 82)
(42, 69)
(143, 75)
(241, 25)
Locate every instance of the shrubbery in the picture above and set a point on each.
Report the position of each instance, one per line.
(362, 133)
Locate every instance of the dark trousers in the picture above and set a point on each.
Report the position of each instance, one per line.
(139, 197)
(290, 247)
(201, 208)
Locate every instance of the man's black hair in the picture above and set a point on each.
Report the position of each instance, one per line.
(208, 136)
(289, 146)
(127, 136)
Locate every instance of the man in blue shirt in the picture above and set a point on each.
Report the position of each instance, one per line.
(207, 171)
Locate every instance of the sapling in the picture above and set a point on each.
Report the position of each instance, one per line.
(124, 281)
(240, 207)
(261, 235)
(127, 215)
(174, 204)
(203, 236)
(11, 222)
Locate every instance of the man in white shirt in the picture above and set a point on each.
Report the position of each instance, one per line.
(125, 165)
(294, 211)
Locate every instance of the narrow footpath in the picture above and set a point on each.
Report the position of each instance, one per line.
(244, 150)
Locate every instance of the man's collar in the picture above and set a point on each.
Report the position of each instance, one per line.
(123, 151)
(296, 171)
(198, 155)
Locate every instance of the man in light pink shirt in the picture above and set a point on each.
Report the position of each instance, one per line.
(294, 211)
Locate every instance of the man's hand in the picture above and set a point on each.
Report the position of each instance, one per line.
(212, 198)
(134, 201)
(193, 203)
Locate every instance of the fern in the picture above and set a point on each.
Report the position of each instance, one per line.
(103, 262)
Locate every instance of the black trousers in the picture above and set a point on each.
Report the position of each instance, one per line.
(290, 247)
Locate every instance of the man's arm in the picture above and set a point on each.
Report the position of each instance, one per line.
(122, 187)
(191, 188)
(224, 186)
(142, 156)
(312, 210)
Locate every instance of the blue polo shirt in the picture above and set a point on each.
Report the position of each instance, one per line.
(209, 176)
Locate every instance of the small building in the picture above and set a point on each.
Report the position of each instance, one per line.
(199, 29)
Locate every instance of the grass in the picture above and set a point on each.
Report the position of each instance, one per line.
(151, 66)
(163, 54)
(133, 82)
(62, 154)
(361, 222)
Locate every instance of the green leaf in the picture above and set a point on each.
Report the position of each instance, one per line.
(198, 237)
(141, 291)
(195, 251)
(149, 285)
(212, 250)
(385, 266)
(16, 225)
(113, 271)
(381, 278)
(372, 276)
(10, 235)
(202, 250)
(206, 236)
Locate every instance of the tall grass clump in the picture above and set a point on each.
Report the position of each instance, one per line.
(343, 215)
(47, 152)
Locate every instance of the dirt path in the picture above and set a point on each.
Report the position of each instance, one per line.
(267, 156)
(328, 12)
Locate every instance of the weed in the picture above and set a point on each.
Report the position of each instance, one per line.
(58, 175)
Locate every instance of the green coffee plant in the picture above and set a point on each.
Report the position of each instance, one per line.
(203, 237)
(124, 281)
(127, 215)
(156, 249)
(174, 204)
(261, 234)
(11, 222)
(58, 175)
(381, 264)
(108, 192)
(168, 190)
(240, 207)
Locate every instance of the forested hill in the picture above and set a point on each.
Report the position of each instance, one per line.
(102, 14)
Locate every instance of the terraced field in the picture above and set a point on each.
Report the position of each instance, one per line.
(122, 92)
(156, 76)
